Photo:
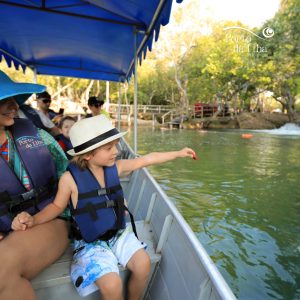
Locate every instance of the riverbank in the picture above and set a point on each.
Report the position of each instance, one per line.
(243, 121)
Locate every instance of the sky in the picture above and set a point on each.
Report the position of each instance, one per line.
(197, 16)
(250, 12)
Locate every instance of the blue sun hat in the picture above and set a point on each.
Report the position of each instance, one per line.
(19, 90)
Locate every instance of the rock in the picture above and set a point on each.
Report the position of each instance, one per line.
(222, 123)
(261, 120)
(244, 120)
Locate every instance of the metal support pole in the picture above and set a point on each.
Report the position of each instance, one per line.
(34, 75)
(107, 96)
(119, 107)
(135, 94)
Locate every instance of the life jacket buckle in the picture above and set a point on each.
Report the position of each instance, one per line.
(28, 195)
(110, 203)
(101, 192)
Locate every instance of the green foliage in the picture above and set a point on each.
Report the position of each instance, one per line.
(228, 64)
(285, 55)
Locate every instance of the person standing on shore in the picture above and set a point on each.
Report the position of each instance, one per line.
(95, 105)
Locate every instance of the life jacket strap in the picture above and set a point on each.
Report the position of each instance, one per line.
(18, 203)
(76, 234)
(132, 221)
(91, 208)
(100, 192)
(16, 200)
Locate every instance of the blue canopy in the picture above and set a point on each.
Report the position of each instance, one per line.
(87, 39)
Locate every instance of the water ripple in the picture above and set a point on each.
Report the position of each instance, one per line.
(242, 199)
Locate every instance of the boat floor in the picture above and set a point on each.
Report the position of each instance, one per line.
(55, 283)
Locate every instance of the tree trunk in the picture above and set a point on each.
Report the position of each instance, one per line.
(98, 88)
(126, 99)
(290, 106)
(61, 89)
(235, 103)
(85, 95)
(151, 97)
(183, 94)
(58, 93)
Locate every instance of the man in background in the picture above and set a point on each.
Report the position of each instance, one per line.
(42, 116)
(43, 104)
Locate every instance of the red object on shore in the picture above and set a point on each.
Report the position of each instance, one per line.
(247, 135)
(205, 109)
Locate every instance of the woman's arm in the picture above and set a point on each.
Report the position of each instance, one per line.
(51, 211)
(127, 166)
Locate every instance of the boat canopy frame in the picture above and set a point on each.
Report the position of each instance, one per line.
(78, 38)
(93, 39)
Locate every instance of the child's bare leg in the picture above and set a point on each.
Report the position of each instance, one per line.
(110, 286)
(139, 265)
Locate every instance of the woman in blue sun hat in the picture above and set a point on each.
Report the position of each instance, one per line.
(31, 162)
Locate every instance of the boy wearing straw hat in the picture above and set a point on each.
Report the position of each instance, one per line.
(97, 206)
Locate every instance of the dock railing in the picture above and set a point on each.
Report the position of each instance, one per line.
(128, 109)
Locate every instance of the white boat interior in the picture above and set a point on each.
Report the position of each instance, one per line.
(55, 283)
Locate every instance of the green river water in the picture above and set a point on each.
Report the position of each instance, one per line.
(242, 200)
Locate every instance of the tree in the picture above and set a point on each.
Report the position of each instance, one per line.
(220, 67)
(285, 55)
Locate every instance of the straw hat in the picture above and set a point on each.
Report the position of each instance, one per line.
(19, 90)
(91, 133)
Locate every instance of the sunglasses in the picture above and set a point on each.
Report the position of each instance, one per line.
(46, 100)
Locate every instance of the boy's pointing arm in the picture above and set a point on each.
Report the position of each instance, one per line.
(126, 166)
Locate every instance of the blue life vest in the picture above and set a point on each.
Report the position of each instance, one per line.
(41, 172)
(99, 210)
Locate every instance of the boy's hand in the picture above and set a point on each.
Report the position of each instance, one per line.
(22, 221)
(188, 152)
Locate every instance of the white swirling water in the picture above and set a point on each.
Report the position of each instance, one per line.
(288, 129)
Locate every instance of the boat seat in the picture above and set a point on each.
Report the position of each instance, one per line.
(54, 282)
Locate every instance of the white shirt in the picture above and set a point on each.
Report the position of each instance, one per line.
(45, 120)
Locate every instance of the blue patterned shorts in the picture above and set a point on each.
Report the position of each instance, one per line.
(93, 260)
